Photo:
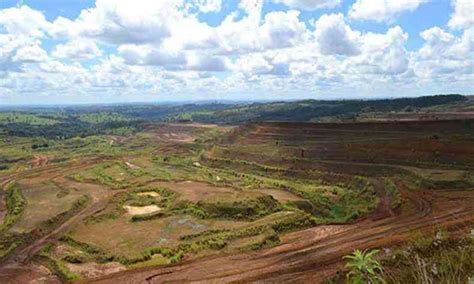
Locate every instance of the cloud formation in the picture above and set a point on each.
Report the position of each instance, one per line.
(165, 49)
(382, 10)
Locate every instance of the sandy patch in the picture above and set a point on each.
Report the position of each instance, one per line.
(140, 210)
(91, 269)
(61, 250)
(149, 193)
(132, 166)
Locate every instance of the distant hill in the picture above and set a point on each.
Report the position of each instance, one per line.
(315, 110)
(70, 121)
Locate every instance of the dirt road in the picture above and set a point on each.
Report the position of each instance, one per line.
(17, 267)
(308, 255)
(302, 257)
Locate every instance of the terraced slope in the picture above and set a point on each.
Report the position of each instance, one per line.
(279, 202)
(313, 254)
(430, 164)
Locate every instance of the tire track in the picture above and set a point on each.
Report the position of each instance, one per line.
(302, 259)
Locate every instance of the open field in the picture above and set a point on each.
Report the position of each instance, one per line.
(273, 201)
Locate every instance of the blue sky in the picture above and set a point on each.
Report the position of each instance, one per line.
(57, 51)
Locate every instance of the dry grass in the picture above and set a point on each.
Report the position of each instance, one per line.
(43, 203)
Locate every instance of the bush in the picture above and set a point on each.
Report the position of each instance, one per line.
(249, 209)
(74, 258)
(16, 203)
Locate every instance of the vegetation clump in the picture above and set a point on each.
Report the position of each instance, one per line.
(247, 209)
(363, 267)
(16, 203)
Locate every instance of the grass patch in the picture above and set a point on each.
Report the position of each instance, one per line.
(246, 209)
(16, 204)
(394, 194)
(432, 261)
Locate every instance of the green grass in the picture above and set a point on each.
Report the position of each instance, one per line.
(43, 201)
(394, 193)
(60, 269)
(245, 209)
(16, 204)
(101, 117)
(28, 118)
(156, 259)
(449, 260)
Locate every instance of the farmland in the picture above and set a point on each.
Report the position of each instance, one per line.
(143, 195)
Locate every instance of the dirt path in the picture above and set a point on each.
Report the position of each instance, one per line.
(302, 258)
(383, 209)
(305, 256)
(39, 160)
(17, 266)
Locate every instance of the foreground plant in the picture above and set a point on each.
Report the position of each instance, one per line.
(363, 267)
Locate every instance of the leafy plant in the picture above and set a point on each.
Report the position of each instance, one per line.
(363, 267)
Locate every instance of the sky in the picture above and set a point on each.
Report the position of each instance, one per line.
(109, 51)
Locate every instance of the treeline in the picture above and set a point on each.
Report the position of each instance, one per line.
(312, 109)
(91, 120)
(66, 129)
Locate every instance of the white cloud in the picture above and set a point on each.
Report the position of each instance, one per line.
(16, 51)
(310, 5)
(163, 47)
(208, 6)
(250, 34)
(199, 62)
(382, 10)
(445, 55)
(335, 37)
(382, 54)
(8, 46)
(463, 16)
(77, 49)
(23, 21)
(123, 22)
(253, 63)
(149, 55)
(30, 53)
(282, 30)
(252, 7)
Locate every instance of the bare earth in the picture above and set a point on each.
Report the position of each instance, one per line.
(312, 254)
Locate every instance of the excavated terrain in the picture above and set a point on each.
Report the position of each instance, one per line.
(431, 164)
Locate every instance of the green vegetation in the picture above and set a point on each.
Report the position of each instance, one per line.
(82, 121)
(16, 204)
(60, 269)
(160, 192)
(439, 259)
(431, 260)
(394, 194)
(247, 209)
(310, 110)
(102, 117)
(95, 252)
(28, 118)
(363, 267)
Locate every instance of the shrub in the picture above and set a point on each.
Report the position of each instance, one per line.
(363, 267)
(74, 258)
(16, 203)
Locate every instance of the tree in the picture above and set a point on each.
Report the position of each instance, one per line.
(363, 267)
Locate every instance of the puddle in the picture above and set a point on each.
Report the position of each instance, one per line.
(190, 223)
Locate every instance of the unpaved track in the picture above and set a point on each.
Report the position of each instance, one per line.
(302, 258)
(17, 266)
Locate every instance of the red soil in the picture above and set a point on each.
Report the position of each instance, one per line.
(313, 254)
